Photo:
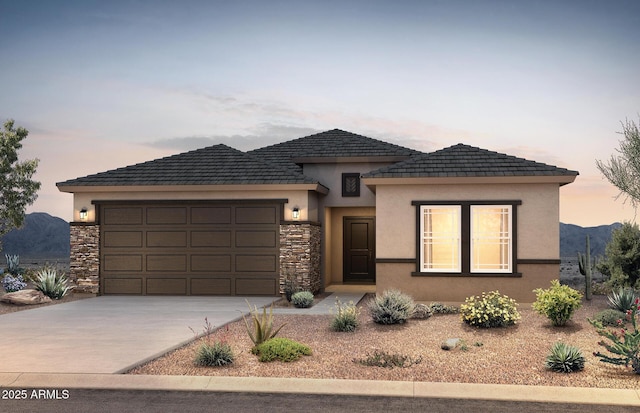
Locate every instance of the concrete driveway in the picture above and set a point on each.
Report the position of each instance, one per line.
(109, 334)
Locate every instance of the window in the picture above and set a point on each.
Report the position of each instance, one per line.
(490, 238)
(440, 238)
(351, 184)
(466, 237)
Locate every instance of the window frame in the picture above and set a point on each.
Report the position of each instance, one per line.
(465, 238)
(422, 257)
(473, 237)
(345, 177)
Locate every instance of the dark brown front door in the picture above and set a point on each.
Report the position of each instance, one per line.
(359, 249)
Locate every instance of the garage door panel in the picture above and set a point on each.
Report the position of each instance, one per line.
(255, 263)
(252, 286)
(163, 239)
(211, 239)
(122, 239)
(123, 286)
(195, 247)
(120, 262)
(167, 286)
(122, 216)
(256, 215)
(211, 263)
(256, 239)
(211, 215)
(166, 262)
(166, 215)
(211, 286)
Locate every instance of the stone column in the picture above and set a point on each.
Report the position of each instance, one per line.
(85, 257)
(300, 255)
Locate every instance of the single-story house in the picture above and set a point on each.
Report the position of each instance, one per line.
(330, 208)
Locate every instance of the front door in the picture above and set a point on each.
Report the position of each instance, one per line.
(359, 249)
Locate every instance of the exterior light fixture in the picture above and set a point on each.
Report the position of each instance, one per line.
(295, 213)
(83, 214)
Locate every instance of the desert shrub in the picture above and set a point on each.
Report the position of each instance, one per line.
(490, 310)
(387, 360)
(345, 318)
(12, 283)
(282, 349)
(610, 317)
(212, 353)
(439, 308)
(51, 283)
(621, 299)
(392, 307)
(565, 359)
(261, 328)
(557, 303)
(302, 299)
(422, 311)
(291, 285)
(621, 263)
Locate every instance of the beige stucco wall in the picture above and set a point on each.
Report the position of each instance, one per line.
(330, 175)
(334, 239)
(538, 238)
(305, 200)
(538, 216)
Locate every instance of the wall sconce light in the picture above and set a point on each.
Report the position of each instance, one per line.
(83, 214)
(295, 213)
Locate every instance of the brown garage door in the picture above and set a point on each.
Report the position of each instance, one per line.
(190, 249)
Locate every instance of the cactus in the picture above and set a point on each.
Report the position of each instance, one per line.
(586, 266)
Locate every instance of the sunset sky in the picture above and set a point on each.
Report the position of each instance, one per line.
(104, 84)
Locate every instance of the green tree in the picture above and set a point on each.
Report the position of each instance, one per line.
(622, 257)
(17, 188)
(623, 170)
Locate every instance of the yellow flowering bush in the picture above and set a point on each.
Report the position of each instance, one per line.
(489, 310)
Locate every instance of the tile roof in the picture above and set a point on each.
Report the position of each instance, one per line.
(213, 165)
(467, 161)
(335, 143)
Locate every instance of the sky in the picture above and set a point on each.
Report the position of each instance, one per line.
(101, 85)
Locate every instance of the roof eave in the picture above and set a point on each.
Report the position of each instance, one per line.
(457, 180)
(316, 187)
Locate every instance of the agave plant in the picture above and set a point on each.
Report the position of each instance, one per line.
(565, 358)
(52, 284)
(262, 325)
(622, 299)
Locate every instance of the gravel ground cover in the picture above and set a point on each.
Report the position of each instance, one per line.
(513, 355)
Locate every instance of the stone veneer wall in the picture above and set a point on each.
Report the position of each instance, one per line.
(300, 254)
(85, 258)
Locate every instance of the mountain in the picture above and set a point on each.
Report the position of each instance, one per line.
(41, 236)
(572, 238)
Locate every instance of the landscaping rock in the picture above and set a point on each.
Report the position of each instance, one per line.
(422, 311)
(450, 344)
(25, 297)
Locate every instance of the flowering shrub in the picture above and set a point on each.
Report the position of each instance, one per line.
(345, 318)
(557, 303)
(489, 310)
(624, 343)
(212, 353)
(12, 283)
